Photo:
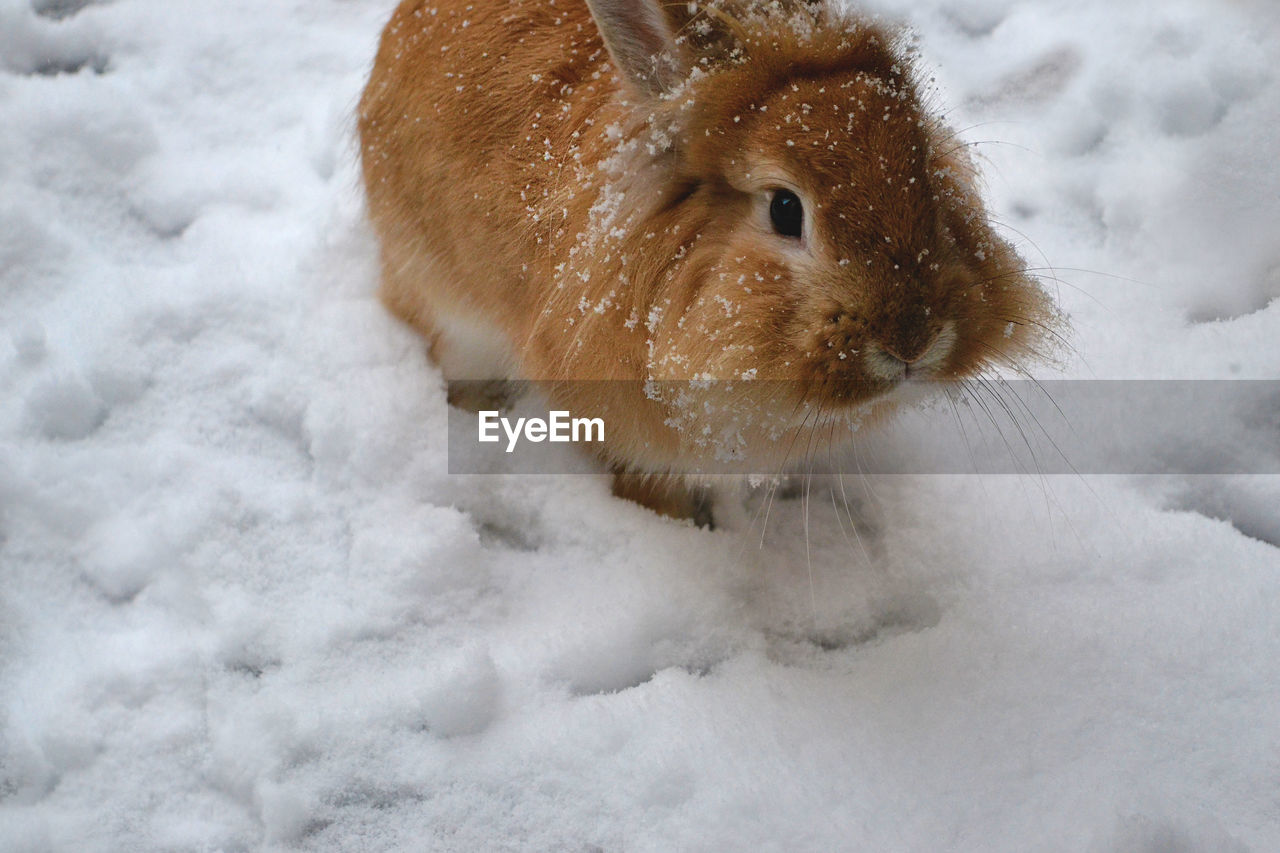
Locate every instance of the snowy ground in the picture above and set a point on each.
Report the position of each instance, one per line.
(244, 607)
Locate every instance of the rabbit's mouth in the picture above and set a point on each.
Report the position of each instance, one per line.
(884, 364)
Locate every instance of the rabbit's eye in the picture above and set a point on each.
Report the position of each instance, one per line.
(787, 213)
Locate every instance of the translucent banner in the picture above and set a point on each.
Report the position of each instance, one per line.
(708, 428)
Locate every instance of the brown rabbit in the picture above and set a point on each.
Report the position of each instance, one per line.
(743, 191)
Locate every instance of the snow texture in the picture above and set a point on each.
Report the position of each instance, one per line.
(243, 606)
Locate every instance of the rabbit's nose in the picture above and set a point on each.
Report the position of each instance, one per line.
(908, 353)
(883, 364)
(902, 327)
(897, 360)
(908, 340)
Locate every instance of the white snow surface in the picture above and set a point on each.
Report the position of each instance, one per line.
(244, 607)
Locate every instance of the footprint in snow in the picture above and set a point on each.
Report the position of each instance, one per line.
(48, 41)
(1246, 503)
(60, 9)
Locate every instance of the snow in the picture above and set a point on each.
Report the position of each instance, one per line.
(244, 605)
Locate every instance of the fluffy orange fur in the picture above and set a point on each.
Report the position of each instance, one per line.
(530, 193)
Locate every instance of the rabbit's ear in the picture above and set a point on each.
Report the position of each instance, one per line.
(640, 42)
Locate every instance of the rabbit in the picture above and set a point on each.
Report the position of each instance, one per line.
(749, 195)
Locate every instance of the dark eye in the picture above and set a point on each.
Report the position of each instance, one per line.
(787, 213)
